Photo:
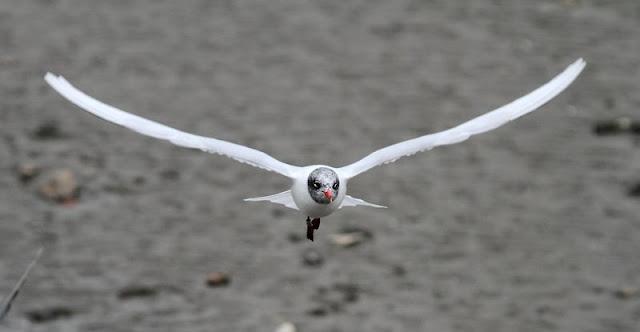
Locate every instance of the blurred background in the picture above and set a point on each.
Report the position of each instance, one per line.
(531, 227)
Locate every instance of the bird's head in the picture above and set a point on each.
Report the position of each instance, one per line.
(323, 185)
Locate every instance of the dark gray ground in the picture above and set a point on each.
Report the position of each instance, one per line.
(527, 228)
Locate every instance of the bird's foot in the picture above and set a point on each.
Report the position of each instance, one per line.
(310, 230)
(312, 225)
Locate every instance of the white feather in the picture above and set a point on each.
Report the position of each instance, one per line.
(481, 124)
(150, 128)
(283, 198)
(352, 201)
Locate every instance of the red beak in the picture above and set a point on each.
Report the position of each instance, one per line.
(328, 194)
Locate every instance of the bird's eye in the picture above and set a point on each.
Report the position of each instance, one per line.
(335, 186)
(316, 184)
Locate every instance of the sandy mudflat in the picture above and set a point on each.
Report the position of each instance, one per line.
(527, 228)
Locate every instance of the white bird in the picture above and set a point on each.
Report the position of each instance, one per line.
(319, 190)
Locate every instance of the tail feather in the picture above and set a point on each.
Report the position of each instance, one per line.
(283, 198)
(352, 201)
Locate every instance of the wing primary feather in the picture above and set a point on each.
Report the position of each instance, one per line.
(481, 124)
(157, 130)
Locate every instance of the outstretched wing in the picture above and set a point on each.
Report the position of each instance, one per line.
(6, 305)
(481, 124)
(150, 128)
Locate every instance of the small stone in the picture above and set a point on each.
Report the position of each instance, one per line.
(346, 240)
(170, 174)
(139, 180)
(616, 126)
(286, 327)
(399, 270)
(312, 257)
(137, 291)
(543, 309)
(60, 186)
(27, 171)
(218, 279)
(626, 292)
(350, 292)
(357, 229)
(335, 298)
(350, 237)
(49, 314)
(48, 130)
(634, 191)
(318, 312)
(294, 237)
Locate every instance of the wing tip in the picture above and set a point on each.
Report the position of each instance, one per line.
(54, 80)
(49, 76)
(578, 65)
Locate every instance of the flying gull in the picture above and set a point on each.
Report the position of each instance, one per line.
(319, 190)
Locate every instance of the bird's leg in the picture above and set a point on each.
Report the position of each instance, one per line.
(309, 229)
(316, 223)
